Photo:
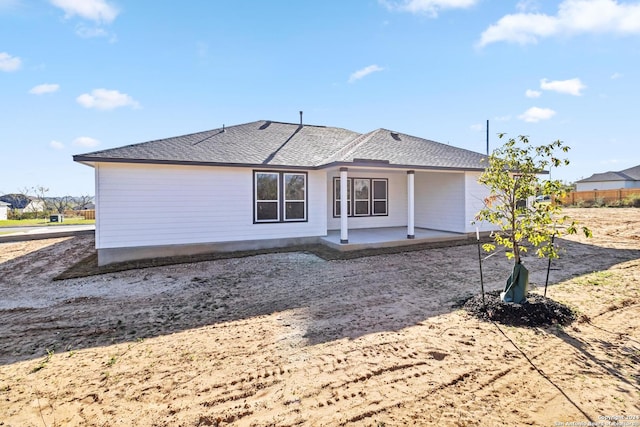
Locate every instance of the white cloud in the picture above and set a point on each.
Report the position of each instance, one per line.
(615, 76)
(9, 63)
(44, 88)
(477, 127)
(364, 72)
(573, 17)
(535, 114)
(527, 5)
(502, 118)
(104, 99)
(85, 141)
(428, 7)
(56, 145)
(571, 86)
(90, 32)
(532, 93)
(99, 11)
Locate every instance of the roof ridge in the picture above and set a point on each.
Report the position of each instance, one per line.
(298, 124)
(624, 175)
(632, 172)
(351, 146)
(431, 141)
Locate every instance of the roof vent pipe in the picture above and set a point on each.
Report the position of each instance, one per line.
(223, 131)
(300, 118)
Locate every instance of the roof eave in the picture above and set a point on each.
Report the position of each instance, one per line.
(92, 160)
(382, 165)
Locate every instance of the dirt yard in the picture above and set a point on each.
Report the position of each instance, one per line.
(288, 339)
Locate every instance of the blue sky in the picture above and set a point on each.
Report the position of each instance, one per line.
(82, 75)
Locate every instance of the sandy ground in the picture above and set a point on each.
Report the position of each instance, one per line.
(291, 339)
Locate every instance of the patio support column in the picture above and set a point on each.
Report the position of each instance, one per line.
(411, 204)
(344, 207)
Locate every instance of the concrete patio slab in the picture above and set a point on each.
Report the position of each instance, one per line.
(387, 237)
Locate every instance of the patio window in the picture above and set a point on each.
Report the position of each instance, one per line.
(280, 196)
(370, 197)
(379, 200)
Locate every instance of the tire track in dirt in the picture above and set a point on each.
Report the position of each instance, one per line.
(287, 339)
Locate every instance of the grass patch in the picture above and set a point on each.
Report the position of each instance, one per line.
(45, 222)
(598, 278)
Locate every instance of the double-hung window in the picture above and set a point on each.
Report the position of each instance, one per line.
(379, 197)
(365, 197)
(280, 196)
(362, 199)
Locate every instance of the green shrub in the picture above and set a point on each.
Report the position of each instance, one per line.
(579, 204)
(632, 200)
(15, 214)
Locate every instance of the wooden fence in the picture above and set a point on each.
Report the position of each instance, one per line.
(604, 196)
(86, 213)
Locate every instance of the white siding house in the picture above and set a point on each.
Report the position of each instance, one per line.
(4, 208)
(440, 201)
(269, 184)
(628, 178)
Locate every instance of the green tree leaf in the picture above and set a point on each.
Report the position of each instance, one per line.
(515, 174)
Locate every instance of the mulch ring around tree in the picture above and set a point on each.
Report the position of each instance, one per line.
(535, 311)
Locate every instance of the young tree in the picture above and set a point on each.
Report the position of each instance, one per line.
(83, 201)
(60, 204)
(40, 193)
(513, 176)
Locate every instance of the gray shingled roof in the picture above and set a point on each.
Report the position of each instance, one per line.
(286, 144)
(16, 201)
(402, 149)
(631, 174)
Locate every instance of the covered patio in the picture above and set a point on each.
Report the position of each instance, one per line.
(365, 238)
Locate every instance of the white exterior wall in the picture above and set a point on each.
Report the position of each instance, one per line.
(3, 212)
(151, 205)
(606, 185)
(475, 194)
(34, 206)
(440, 201)
(396, 199)
(446, 201)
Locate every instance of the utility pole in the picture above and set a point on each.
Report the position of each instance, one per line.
(487, 137)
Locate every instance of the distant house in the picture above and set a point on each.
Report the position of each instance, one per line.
(4, 207)
(628, 178)
(22, 203)
(86, 206)
(268, 184)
